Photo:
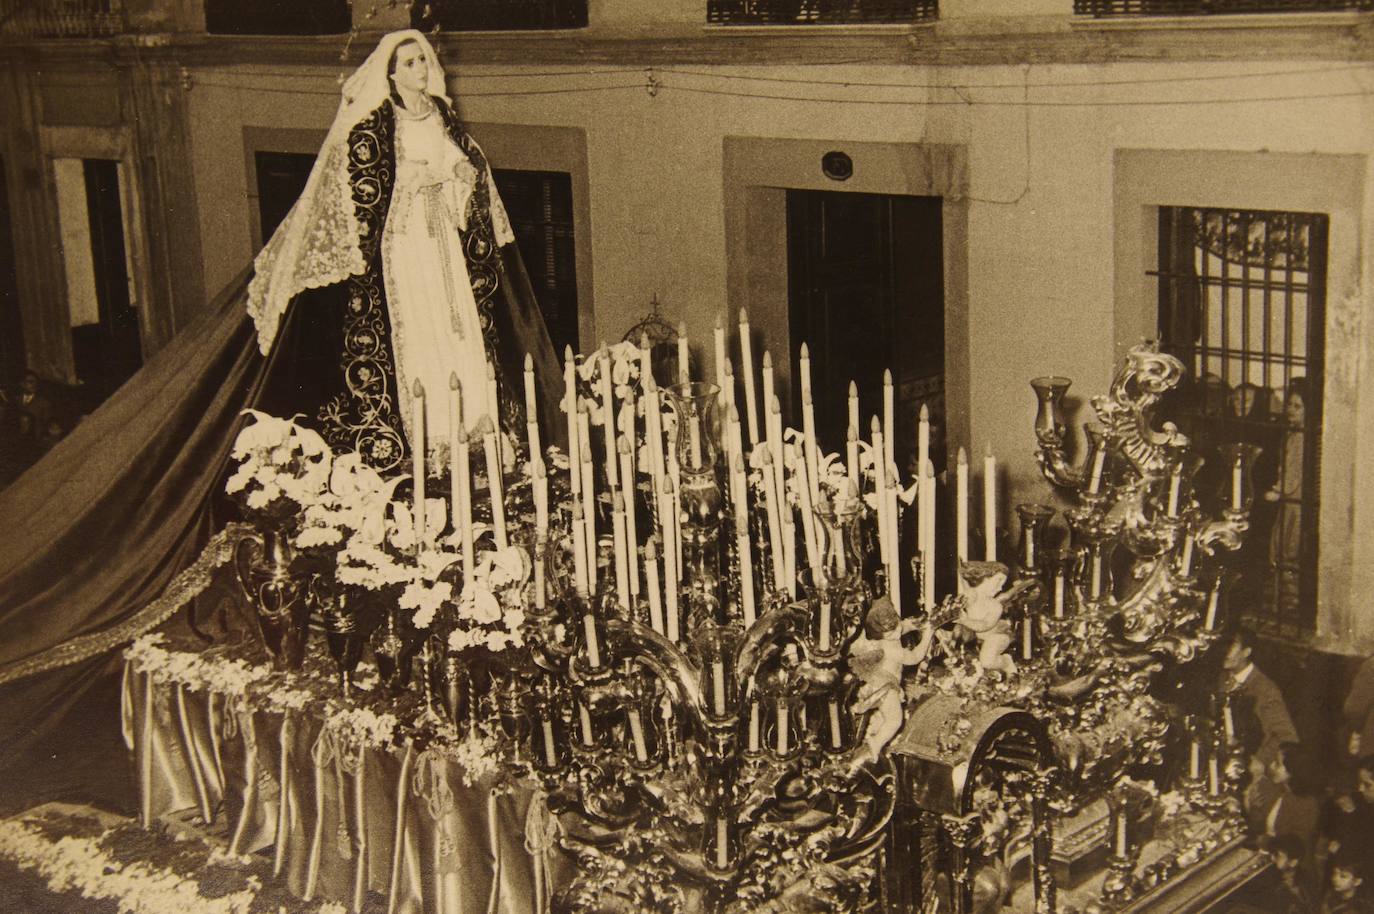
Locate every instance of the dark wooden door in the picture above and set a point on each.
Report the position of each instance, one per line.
(108, 352)
(866, 293)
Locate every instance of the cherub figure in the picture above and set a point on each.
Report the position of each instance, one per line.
(878, 658)
(985, 606)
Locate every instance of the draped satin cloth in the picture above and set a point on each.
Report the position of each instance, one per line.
(342, 819)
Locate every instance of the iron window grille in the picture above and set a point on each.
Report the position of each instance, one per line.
(495, 15)
(540, 207)
(1106, 8)
(1242, 300)
(274, 17)
(820, 12)
(62, 18)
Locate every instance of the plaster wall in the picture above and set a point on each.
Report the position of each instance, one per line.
(1040, 145)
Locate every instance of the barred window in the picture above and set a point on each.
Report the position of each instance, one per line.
(1242, 297)
(820, 12)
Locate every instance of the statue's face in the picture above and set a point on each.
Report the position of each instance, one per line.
(410, 73)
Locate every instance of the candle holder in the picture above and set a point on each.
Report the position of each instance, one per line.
(1238, 490)
(548, 732)
(715, 650)
(835, 721)
(784, 697)
(643, 744)
(1034, 519)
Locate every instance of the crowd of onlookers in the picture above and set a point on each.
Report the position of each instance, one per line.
(30, 424)
(1313, 814)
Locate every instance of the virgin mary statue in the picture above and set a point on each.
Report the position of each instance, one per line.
(402, 207)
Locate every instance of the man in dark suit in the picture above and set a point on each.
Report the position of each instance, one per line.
(31, 402)
(1260, 715)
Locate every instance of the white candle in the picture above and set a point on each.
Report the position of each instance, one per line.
(465, 505)
(1095, 588)
(531, 409)
(670, 566)
(455, 425)
(593, 649)
(585, 719)
(675, 477)
(1229, 722)
(498, 506)
(889, 420)
(718, 687)
(1186, 563)
(1211, 621)
(823, 636)
(573, 405)
(631, 531)
(854, 405)
(653, 430)
(540, 586)
(880, 493)
(1030, 549)
(646, 361)
(746, 569)
(1059, 594)
(768, 396)
(782, 740)
(1236, 473)
(770, 498)
(923, 437)
(1194, 760)
(746, 365)
(622, 551)
(1027, 636)
(813, 459)
(1099, 460)
(655, 594)
(1213, 777)
(851, 453)
(928, 511)
(493, 406)
(418, 463)
(1174, 481)
(836, 737)
(540, 474)
(1122, 846)
(637, 735)
(550, 752)
(808, 516)
(990, 506)
(753, 726)
(608, 420)
(722, 844)
(961, 506)
(719, 339)
(589, 507)
(684, 371)
(581, 581)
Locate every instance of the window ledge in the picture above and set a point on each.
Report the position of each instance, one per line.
(804, 28)
(1208, 21)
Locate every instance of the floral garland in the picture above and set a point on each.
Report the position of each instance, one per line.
(83, 864)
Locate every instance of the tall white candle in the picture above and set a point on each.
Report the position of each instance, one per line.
(718, 687)
(1027, 638)
(808, 516)
(675, 477)
(531, 409)
(573, 404)
(541, 546)
(1185, 565)
(746, 367)
(782, 742)
(836, 737)
(455, 426)
(1212, 598)
(1059, 594)
(746, 569)
(653, 430)
(655, 592)
(928, 512)
(579, 533)
(540, 490)
(1175, 479)
(768, 395)
(770, 498)
(670, 567)
(1213, 776)
(813, 459)
(722, 843)
(1229, 721)
(608, 420)
(880, 492)
(622, 551)
(1095, 588)
(923, 437)
(1237, 469)
(418, 463)
(498, 506)
(889, 421)
(465, 505)
(719, 340)
(588, 493)
(631, 530)
(823, 636)
(494, 406)
(961, 506)
(1194, 760)
(1121, 844)
(684, 370)
(990, 506)
(754, 726)
(854, 406)
(1099, 462)
(851, 452)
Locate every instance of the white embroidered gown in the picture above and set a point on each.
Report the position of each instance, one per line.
(434, 323)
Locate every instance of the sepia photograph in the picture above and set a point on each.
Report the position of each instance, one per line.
(686, 456)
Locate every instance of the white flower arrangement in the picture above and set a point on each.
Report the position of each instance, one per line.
(193, 670)
(491, 609)
(477, 755)
(278, 459)
(624, 360)
(362, 726)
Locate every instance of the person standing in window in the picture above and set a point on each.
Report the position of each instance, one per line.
(401, 204)
(1285, 540)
